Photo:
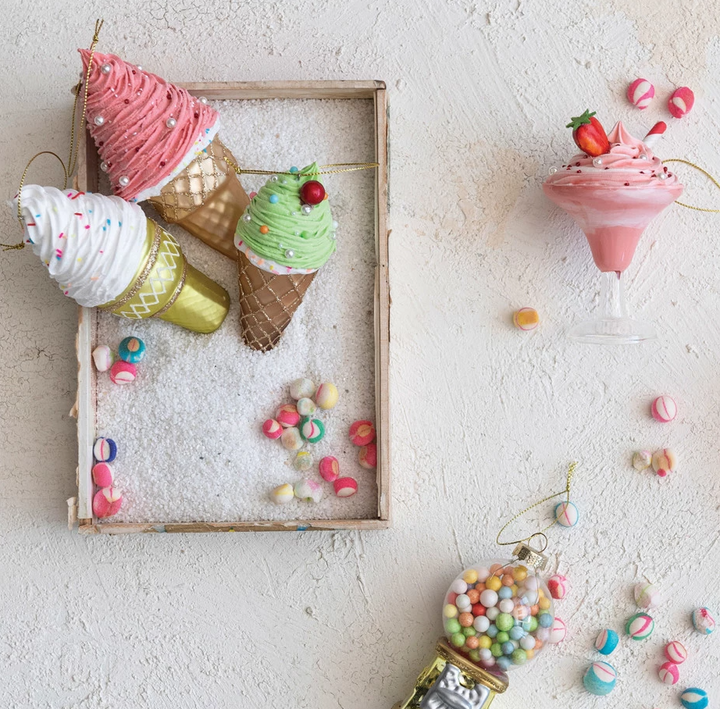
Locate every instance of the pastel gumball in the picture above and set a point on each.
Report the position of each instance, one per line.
(287, 416)
(103, 358)
(303, 461)
(102, 474)
(664, 409)
(681, 102)
(663, 462)
(330, 469)
(640, 626)
(566, 514)
(345, 487)
(308, 491)
(291, 439)
(123, 373)
(640, 93)
(600, 678)
(327, 396)
(272, 429)
(132, 349)
(107, 502)
(306, 407)
(105, 450)
(675, 652)
(526, 319)
(367, 456)
(703, 621)
(557, 585)
(606, 642)
(362, 433)
(642, 460)
(282, 494)
(302, 389)
(312, 430)
(694, 698)
(647, 595)
(669, 673)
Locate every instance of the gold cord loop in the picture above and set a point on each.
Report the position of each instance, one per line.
(344, 167)
(704, 172)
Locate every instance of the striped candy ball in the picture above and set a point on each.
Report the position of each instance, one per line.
(694, 698)
(600, 678)
(526, 319)
(703, 621)
(105, 450)
(132, 349)
(640, 93)
(566, 514)
(557, 632)
(123, 372)
(557, 585)
(664, 409)
(646, 595)
(675, 652)
(669, 673)
(681, 102)
(640, 626)
(606, 642)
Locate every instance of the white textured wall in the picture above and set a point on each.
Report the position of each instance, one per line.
(484, 417)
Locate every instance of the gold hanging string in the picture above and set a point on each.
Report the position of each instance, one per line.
(704, 172)
(566, 492)
(342, 167)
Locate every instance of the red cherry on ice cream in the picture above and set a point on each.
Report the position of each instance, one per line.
(312, 192)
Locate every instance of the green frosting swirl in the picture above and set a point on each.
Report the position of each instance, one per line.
(309, 236)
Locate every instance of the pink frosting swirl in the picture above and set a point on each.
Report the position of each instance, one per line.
(132, 108)
(630, 163)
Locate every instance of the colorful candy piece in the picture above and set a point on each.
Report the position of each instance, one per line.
(526, 319)
(302, 389)
(122, 373)
(647, 595)
(664, 409)
(362, 433)
(312, 192)
(104, 450)
(663, 462)
(330, 471)
(557, 585)
(681, 102)
(312, 430)
(640, 626)
(669, 673)
(345, 487)
(272, 429)
(282, 494)
(566, 514)
(675, 652)
(694, 698)
(606, 641)
(132, 349)
(600, 678)
(367, 456)
(102, 475)
(306, 407)
(308, 490)
(107, 502)
(703, 621)
(640, 93)
(327, 396)
(103, 357)
(654, 134)
(303, 461)
(291, 439)
(642, 460)
(287, 416)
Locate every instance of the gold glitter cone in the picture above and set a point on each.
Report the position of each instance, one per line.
(206, 199)
(166, 286)
(267, 303)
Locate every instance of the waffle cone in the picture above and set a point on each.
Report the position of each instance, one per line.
(267, 303)
(206, 199)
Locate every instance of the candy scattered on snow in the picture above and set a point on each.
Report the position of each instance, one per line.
(132, 349)
(107, 502)
(102, 475)
(306, 407)
(282, 494)
(327, 396)
(272, 429)
(312, 430)
(123, 372)
(367, 456)
(308, 491)
(302, 389)
(329, 468)
(103, 358)
(303, 461)
(291, 439)
(362, 433)
(287, 415)
(345, 487)
(105, 450)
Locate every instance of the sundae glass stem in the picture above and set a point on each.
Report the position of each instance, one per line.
(612, 295)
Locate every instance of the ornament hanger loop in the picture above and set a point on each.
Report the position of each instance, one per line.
(704, 172)
(342, 167)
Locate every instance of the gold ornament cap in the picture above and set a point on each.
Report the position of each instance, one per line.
(530, 557)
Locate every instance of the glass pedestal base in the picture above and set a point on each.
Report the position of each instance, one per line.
(612, 331)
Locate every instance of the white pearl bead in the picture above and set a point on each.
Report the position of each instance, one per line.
(273, 178)
(283, 181)
(139, 68)
(247, 218)
(662, 176)
(306, 209)
(552, 171)
(597, 162)
(335, 225)
(289, 254)
(99, 120)
(642, 156)
(203, 100)
(104, 166)
(170, 122)
(124, 181)
(333, 235)
(106, 68)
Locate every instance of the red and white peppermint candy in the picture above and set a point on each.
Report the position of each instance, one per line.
(681, 102)
(675, 652)
(640, 93)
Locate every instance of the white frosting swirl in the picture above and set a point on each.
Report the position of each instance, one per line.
(90, 243)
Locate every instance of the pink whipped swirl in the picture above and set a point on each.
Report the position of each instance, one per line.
(132, 107)
(630, 163)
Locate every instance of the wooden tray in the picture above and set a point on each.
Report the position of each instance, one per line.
(80, 508)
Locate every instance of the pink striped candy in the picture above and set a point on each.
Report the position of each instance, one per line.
(345, 487)
(272, 429)
(102, 474)
(557, 585)
(664, 409)
(681, 102)
(640, 93)
(123, 372)
(557, 632)
(675, 652)
(107, 502)
(669, 673)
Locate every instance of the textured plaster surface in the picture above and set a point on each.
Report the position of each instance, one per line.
(484, 418)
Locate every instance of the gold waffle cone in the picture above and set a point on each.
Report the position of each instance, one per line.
(166, 286)
(206, 199)
(267, 303)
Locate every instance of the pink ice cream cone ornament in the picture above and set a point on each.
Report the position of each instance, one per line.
(158, 142)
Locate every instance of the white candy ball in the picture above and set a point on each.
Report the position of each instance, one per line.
(492, 613)
(506, 605)
(302, 389)
(462, 601)
(481, 623)
(458, 586)
(488, 598)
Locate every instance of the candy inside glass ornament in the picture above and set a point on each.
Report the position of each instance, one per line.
(498, 614)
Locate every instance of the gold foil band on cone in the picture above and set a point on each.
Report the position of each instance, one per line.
(166, 286)
(267, 303)
(206, 199)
